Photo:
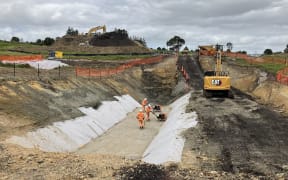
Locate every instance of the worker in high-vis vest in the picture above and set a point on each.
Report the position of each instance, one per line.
(140, 117)
(144, 103)
(148, 109)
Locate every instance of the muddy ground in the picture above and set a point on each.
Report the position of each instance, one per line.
(234, 135)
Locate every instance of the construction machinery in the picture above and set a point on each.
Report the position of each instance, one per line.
(157, 111)
(217, 82)
(55, 55)
(94, 29)
(207, 50)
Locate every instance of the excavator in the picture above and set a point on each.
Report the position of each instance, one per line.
(218, 82)
(94, 29)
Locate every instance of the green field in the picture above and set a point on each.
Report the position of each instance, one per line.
(269, 67)
(6, 47)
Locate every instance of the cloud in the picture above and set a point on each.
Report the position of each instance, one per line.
(249, 25)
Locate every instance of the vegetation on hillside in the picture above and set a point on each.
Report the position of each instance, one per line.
(269, 67)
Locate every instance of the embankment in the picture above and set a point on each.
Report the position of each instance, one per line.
(27, 105)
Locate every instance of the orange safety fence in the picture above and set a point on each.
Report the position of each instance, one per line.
(91, 72)
(247, 58)
(282, 76)
(21, 58)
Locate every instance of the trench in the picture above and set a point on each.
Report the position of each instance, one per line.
(110, 127)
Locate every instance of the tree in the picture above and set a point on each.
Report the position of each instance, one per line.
(39, 42)
(268, 52)
(48, 41)
(175, 43)
(159, 48)
(286, 49)
(15, 39)
(229, 46)
(72, 32)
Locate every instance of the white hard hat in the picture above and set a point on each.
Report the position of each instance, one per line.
(149, 105)
(140, 110)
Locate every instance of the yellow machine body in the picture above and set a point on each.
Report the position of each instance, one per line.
(218, 81)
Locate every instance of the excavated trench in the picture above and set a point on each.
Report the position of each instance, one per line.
(234, 135)
(63, 100)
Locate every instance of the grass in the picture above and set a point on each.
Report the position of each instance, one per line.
(269, 67)
(6, 46)
(9, 65)
(273, 68)
(11, 53)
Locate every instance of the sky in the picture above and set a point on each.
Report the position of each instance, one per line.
(250, 25)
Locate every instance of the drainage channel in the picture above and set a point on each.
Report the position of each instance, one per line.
(113, 129)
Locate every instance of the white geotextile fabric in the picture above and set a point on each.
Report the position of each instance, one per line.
(168, 145)
(44, 64)
(69, 135)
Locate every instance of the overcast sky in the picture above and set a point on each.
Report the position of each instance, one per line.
(251, 25)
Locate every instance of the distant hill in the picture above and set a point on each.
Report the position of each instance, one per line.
(115, 42)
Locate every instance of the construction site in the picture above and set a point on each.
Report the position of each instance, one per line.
(75, 118)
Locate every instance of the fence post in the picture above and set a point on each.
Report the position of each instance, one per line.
(38, 71)
(59, 71)
(14, 69)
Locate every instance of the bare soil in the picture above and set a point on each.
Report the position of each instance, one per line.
(235, 135)
(234, 139)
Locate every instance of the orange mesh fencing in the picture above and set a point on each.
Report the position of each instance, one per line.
(282, 76)
(21, 58)
(90, 72)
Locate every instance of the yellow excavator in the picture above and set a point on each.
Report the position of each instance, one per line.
(217, 83)
(94, 29)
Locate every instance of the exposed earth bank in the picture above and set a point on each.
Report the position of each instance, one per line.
(236, 135)
(253, 81)
(234, 139)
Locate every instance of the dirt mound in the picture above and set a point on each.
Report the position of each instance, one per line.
(115, 38)
(142, 171)
(115, 42)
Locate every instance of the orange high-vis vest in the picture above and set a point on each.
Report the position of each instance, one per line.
(144, 102)
(148, 109)
(140, 116)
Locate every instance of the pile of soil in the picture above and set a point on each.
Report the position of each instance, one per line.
(142, 171)
(115, 38)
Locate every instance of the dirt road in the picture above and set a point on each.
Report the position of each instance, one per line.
(235, 135)
(125, 138)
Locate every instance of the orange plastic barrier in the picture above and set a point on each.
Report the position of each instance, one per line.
(90, 72)
(282, 76)
(21, 58)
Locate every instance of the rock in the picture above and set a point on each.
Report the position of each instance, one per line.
(40, 161)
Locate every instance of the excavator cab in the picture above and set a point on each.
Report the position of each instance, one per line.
(217, 83)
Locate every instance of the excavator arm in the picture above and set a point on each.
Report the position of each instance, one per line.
(94, 29)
